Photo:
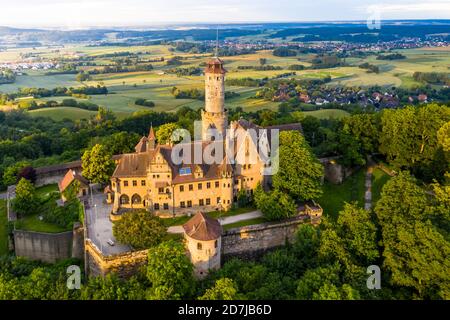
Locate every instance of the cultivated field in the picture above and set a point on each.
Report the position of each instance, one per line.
(156, 85)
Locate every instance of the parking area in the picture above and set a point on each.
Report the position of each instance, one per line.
(99, 227)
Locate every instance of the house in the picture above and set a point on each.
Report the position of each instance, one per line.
(69, 179)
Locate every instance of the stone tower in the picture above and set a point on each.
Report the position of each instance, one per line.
(203, 236)
(214, 115)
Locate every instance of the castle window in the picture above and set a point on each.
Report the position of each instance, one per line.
(181, 188)
(156, 206)
(199, 186)
(143, 183)
(249, 166)
(183, 204)
(208, 201)
(125, 183)
(215, 244)
(167, 190)
(166, 206)
(191, 187)
(136, 199)
(244, 167)
(201, 202)
(208, 185)
(218, 200)
(161, 190)
(199, 246)
(124, 199)
(228, 185)
(217, 184)
(189, 203)
(134, 183)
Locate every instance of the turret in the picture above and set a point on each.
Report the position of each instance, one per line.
(203, 236)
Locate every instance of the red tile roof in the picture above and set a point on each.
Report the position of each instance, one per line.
(70, 176)
(203, 228)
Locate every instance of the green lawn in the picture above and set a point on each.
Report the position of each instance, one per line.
(168, 222)
(3, 228)
(47, 189)
(334, 196)
(244, 223)
(327, 113)
(379, 178)
(33, 223)
(60, 113)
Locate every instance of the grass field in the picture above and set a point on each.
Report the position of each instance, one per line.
(327, 113)
(334, 196)
(47, 189)
(379, 178)
(156, 85)
(244, 223)
(33, 223)
(3, 228)
(59, 113)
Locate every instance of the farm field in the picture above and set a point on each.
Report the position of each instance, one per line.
(59, 113)
(156, 85)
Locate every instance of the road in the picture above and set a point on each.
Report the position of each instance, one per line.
(100, 227)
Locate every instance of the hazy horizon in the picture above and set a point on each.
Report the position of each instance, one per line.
(76, 14)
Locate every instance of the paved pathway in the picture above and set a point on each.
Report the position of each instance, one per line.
(368, 184)
(224, 220)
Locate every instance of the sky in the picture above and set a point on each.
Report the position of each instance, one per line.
(74, 14)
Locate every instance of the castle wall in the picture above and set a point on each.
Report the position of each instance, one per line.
(252, 241)
(124, 265)
(46, 247)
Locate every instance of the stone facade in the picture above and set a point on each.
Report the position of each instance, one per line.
(49, 247)
(252, 241)
(124, 265)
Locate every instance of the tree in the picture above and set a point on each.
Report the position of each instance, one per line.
(275, 205)
(25, 201)
(10, 176)
(165, 131)
(299, 173)
(28, 173)
(140, 229)
(414, 235)
(356, 228)
(224, 289)
(97, 164)
(111, 287)
(170, 271)
(83, 76)
(409, 139)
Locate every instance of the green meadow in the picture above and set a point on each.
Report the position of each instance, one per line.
(156, 85)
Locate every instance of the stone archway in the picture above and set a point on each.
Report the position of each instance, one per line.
(136, 199)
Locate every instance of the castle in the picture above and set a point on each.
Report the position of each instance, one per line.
(150, 179)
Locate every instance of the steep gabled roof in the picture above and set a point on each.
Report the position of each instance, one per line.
(203, 228)
(71, 176)
(142, 145)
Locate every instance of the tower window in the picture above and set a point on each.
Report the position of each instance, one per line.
(199, 246)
